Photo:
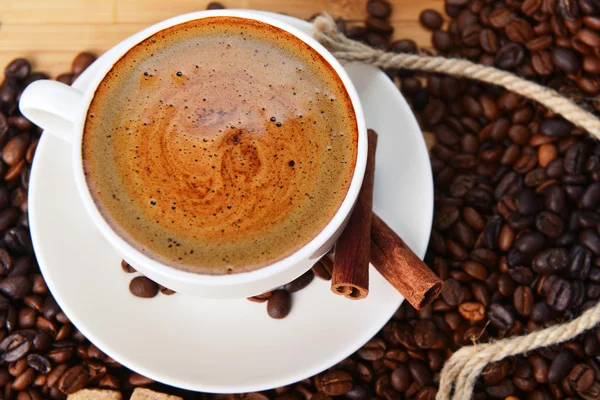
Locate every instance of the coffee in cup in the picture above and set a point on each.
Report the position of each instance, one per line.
(220, 145)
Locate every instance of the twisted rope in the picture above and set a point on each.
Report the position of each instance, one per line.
(461, 371)
(347, 50)
(464, 367)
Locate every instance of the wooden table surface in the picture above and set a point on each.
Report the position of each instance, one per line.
(51, 32)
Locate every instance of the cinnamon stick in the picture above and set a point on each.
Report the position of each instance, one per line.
(350, 275)
(401, 267)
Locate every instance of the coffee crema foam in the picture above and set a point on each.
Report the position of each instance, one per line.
(220, 145)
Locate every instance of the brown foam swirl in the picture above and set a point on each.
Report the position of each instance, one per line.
(225, 162)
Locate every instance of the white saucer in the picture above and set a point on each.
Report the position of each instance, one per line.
(227, 346)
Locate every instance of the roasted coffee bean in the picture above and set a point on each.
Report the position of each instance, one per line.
(50, 308)
(530, 242)
(575, 159)
(81, 62)
(500, 317)
(588, 238)
(8, 91)
(376, 40)
(591, 197)
(8, 217)
(19, 69)
(441, 40)
(581, 262)
(300, 283)
(585, 219)
(279, 304)
(580, 378)
(379, 8)
(24, 380)
(502, 390)
(39, 363)
(488, 40)
(555, 127)
(322, 270)
(18, 240)
(446, 217)
(213, 5)
(560, 367)
(491, 232)
(401, 378)
(27, 317)
(336, 382)
(404, 46)
(472, 311)
(559, 295)
(522, 275)
(555, 199)
(523, 299)
(379, 25)
(475, 269)
(549, 224)
(16, 345)
(359, 391)
(550, 260)
(39, 285)
(519, 31)
(137, 380)
(546, 154)
(143, 287)
(566, 59)
(17, 368)
(74, 379)
(41, 341)
(506, 238)
(126, 267)
(540, 368)
(510, 56)
(453, 292)
(14, 149)
(16, 287)
(510, 184)
(410, 85)
(425, 334)
(420, 372)
(527, 202)
(506, 285)
(373, 350)
(430, 19)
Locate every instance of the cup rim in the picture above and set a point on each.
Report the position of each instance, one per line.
(307, 251)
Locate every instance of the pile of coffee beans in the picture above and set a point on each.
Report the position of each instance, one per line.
(516, 227)
(42, 355)
(376, 30)
(554, 42)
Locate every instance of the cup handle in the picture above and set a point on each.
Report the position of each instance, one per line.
(53, 106)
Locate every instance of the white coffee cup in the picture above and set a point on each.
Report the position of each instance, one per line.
(61, 110)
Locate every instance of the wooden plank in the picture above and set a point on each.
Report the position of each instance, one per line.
(349, 9)
(56, 11)
(151, 11)
(69, 37)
